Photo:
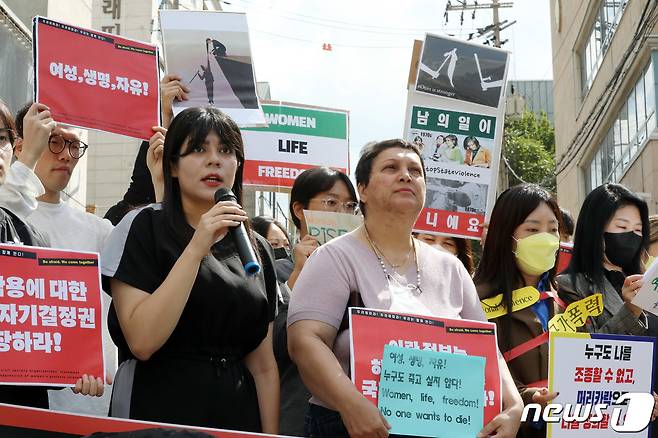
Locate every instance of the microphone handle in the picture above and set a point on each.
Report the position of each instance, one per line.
(245, 250)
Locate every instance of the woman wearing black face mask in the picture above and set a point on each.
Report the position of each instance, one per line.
(275, 234)
(611, 236)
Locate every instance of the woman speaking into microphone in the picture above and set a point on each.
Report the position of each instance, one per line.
(194, 326)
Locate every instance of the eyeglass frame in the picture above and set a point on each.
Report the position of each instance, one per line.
(12, 139)
(344, 205)
(84, 146)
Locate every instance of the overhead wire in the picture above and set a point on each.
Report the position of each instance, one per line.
(343, 24)
(333, 44)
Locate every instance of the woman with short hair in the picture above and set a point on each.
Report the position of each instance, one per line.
(381, 265)
(317, 189)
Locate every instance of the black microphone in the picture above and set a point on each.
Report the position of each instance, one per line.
(240, 236)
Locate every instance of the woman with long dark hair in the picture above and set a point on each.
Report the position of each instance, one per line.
(521, 250)
(610, 246)
(195, 328)
(275, 233)
(612, 236)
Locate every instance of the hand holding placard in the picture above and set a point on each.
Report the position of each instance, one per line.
(327, 225)
(38, 124)
(422, 392)
(171, 89)
(647, 296)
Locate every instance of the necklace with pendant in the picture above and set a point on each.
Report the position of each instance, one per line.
(415, 289)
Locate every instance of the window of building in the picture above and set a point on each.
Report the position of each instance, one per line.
(15, 63)
(634, 122)
(605, 23)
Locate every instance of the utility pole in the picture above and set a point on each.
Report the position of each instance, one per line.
(496, 23)
(495, 28)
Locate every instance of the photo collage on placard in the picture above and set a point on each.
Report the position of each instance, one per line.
(457, 149)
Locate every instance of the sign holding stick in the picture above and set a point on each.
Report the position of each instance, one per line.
(50, 316)
(96, 80)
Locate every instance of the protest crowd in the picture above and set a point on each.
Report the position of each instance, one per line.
(198, 341)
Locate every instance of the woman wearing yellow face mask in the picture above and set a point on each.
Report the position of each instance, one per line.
(522, 244)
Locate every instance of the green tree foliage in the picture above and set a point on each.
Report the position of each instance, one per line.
(529, 146)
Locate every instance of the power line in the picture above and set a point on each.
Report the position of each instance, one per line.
(339, 23)
(360, 28)
(493, 28)
(353, 46)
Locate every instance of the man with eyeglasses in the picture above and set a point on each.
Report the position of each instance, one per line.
(46, 155)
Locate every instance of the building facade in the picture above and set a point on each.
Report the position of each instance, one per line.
(111, 156)
(605, 54)
(535, 96)
(16, 66)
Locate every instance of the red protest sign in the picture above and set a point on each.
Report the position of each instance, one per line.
(96, 80)
(42, 423)
(453, 223)
(371, 330)
(564, 256)
(275, 174)
(50, 316)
